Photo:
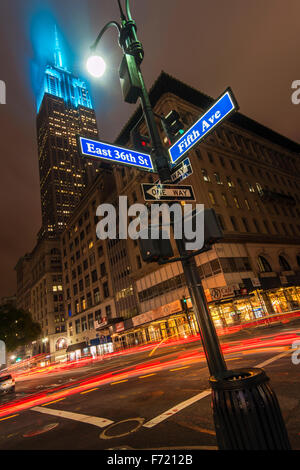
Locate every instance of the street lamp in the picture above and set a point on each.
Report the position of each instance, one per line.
(96, 66)
(246, 412)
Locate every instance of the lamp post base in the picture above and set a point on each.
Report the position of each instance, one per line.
(246, 412)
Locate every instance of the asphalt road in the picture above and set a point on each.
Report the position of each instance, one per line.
(141, 402)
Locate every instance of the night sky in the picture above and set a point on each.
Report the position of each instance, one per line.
(251, 45)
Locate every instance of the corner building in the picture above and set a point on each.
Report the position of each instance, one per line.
(249, 175)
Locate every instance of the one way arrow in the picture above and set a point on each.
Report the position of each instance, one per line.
(167, 192)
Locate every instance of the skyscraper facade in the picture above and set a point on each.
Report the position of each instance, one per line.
(64, 111)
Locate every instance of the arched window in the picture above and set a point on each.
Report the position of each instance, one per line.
(284, 263)
(263, 265)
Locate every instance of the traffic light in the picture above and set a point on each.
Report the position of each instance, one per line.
(184, 304)
(140, 142)
(152, 250)
(172, 125)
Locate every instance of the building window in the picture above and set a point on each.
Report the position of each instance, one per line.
(236, 201)
(221, 221)
(90, 321)
(234, 224)
(96, 295)
(263, 265)
(83, 324)
(105, 290)
(222, 161)
(108, 311)
(284, 229)
(250, 187)
(225, 199)
(284, 264)
(275, 226)
(100, 250)
(266, 226)
(230, 182)
(245, 224)
(77, 326)
(247, 204)
(94, 276)
(103, 269)
(240, 183)
(217, 178)
(210, 157)
(212, 197)
(256, 225)
(205, 175)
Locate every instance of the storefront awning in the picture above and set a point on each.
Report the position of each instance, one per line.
(74, 347)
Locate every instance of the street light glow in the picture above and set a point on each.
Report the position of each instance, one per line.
(96, 66)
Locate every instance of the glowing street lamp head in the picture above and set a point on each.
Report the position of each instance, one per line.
(96, 66)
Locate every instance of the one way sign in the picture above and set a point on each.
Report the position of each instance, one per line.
(167, 192)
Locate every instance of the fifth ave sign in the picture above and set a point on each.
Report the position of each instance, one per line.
(221, 109)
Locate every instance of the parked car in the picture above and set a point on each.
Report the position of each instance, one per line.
(7, 384)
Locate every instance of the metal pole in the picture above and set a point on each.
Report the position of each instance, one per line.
(208, 334)
(211, 345)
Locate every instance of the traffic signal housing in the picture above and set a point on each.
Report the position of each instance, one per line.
(129, 79)
(153, 250)
(140, 142)
(172, 125)
(184, 304)
(212, 229)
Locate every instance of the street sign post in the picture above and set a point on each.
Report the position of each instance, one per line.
(115, 154)
(220, 110)
(167, 192)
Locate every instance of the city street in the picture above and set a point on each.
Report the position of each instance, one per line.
(140, 402)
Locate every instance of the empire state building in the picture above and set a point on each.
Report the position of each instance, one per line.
(64, 110)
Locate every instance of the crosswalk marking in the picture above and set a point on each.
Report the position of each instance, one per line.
(94, 420)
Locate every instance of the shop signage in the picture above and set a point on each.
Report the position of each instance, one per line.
(243, 291)
(218, 293)
(163, 311)
(119, 326)
(100, 324)
(255, 282)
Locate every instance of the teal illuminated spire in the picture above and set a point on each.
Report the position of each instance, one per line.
(57, 52)
(60, 82)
